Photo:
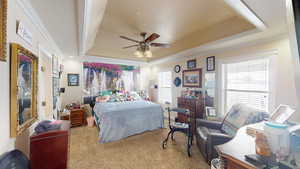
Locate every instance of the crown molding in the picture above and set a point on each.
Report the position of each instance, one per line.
(112, 60)
(37, 22)
(217, 47)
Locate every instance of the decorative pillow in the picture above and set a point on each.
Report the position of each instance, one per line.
(102, 98)
(240, 115)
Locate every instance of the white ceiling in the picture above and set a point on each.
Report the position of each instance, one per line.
(272, 12)
(60, 19)
(64, 20)
(184, 25)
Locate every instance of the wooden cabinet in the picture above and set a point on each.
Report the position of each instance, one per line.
(196, 107)
(50, 150)
(77, 117)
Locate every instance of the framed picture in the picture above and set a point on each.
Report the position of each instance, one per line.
(3, 22)
(73, 79)
(192, 78)
(23, 89)
(210, 63)
(210, 112)
(191, 64)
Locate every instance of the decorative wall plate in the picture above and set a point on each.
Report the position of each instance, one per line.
(177, 68)
(177, 81)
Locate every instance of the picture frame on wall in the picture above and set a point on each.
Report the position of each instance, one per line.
(210, 111)
(3, 31)
(210, 63)
(191, 64)
(192, 78)
(73, 79)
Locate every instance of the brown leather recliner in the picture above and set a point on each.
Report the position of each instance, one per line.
(212, 133)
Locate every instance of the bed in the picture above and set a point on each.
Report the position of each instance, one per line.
(117, 120)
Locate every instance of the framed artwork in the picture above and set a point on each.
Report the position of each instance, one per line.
(210, 63)
(191, 64)
(73, 79)
(3, 22)
(210, 111)
(177, 68)
(23, 89)
(192, 78)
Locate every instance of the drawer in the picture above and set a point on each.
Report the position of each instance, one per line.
(77, 115)
(66, 117)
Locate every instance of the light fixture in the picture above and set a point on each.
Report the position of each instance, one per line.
(138, 54)
(143, 52)
(148, 54)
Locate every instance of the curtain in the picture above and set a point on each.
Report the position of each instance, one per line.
(99, 77)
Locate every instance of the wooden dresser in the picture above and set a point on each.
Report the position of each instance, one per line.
(50, 150)
(196, 107)
(76, 117)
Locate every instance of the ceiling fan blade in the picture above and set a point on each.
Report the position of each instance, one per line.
(152, 37)
(124, 37)
(130, 46)
(162, 45)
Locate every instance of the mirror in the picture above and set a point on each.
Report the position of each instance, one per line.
(24, 66)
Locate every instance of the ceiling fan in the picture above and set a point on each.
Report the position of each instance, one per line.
(143, 47)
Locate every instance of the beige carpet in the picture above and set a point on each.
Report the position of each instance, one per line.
(141, 151)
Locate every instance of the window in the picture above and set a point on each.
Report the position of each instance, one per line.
(164, 87)
(246, 82)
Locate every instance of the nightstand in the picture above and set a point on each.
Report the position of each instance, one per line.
(77, 117)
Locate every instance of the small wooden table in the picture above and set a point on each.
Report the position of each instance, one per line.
(77, 117)
(233, 152)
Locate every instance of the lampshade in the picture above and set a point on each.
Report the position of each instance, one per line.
(148, 54)
(138, 54)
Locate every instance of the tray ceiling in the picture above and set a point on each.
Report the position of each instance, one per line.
(184, 25)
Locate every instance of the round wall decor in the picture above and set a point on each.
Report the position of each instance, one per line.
(177, 81)
(177, 68)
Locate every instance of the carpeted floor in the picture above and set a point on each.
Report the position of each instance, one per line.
(141, 151)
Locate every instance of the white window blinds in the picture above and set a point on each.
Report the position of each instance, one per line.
(164, 87)
(247, 82)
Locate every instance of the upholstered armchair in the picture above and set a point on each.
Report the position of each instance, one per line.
(212, 133)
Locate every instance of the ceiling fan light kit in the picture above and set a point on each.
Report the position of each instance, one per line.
(143, 47)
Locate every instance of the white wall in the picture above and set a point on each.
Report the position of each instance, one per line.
(284, 81)
(17, 13)
(73, 94)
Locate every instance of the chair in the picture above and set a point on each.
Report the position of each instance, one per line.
(179, 126)
(212, 133)
(14, 160)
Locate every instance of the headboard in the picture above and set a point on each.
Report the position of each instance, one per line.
(91, 100)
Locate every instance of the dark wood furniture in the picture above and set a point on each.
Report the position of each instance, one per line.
(233, 152)
(196, 107)
(77, 117)
(50, 150)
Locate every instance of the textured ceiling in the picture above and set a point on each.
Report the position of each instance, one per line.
(184, 24)
(60, 19)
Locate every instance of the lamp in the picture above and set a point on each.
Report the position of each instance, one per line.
(148, 54)
(138, 54)
(143, 52)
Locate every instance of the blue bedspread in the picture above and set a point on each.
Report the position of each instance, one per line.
(118, 120)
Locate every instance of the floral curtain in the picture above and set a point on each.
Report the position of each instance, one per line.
(100, 77)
